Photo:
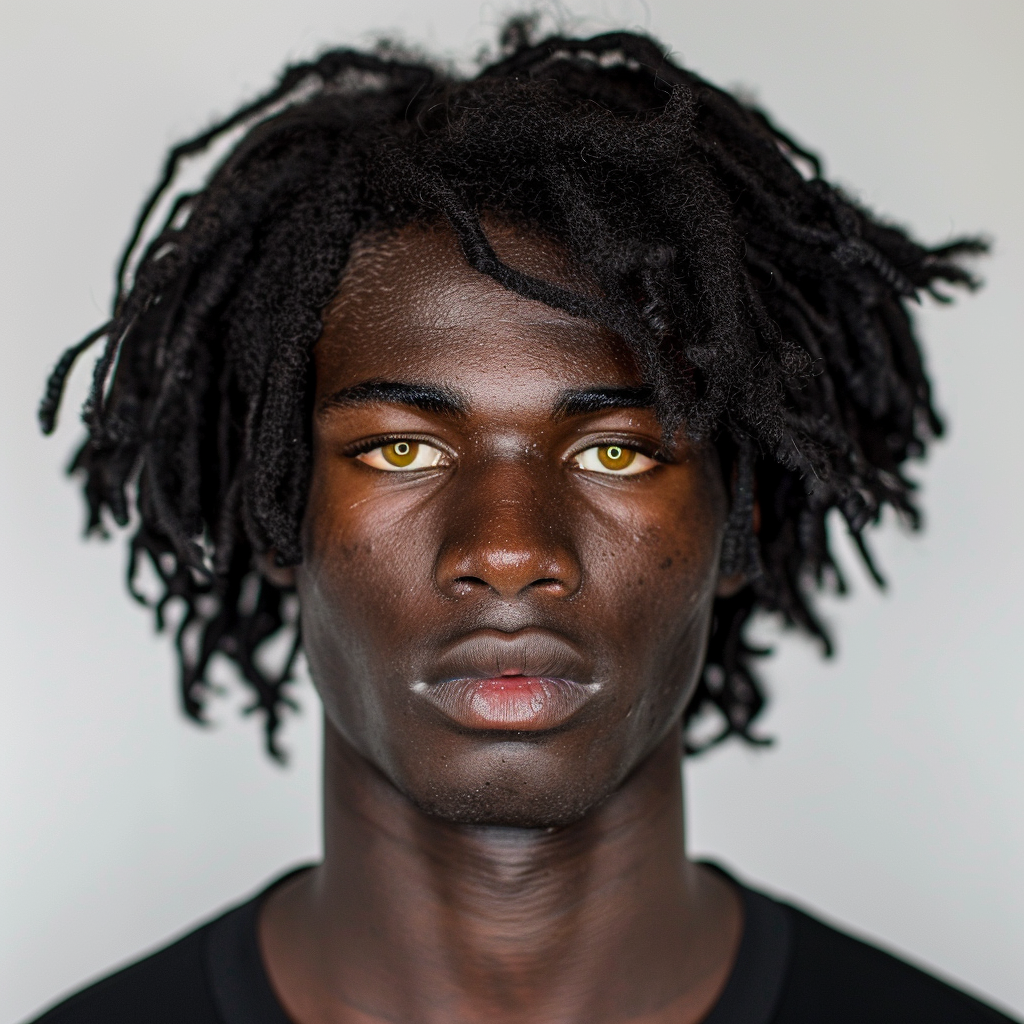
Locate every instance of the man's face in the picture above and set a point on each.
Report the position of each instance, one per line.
(508, 575)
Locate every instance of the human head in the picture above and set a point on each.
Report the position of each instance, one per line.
(508, 566)
(765, 311)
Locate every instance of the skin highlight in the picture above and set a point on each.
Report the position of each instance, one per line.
(480, 868)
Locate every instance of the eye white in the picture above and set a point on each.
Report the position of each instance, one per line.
(590, 460)
(426, 456)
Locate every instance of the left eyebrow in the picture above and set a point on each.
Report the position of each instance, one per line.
(426, 397)
(581, 402)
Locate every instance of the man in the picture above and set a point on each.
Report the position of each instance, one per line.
(520, 394)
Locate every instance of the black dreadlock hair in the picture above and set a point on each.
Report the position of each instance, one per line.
(767, 310)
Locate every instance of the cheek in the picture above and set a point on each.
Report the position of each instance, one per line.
(359, 585)
(361, 555)
(653, 585)
(656, 570)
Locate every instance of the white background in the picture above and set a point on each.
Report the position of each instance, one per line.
(893, 800)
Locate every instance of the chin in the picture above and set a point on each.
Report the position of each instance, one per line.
(482, 807)
(513, 796)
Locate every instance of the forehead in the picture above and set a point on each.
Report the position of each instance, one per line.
(410, 306)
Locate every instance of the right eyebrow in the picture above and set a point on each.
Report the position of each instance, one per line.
(574, 402)
(426, 397)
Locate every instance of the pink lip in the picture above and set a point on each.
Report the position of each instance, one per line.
(512, 702)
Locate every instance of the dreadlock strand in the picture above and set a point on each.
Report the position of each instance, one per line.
(766, 311)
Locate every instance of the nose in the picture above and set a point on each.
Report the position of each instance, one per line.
(508, 537)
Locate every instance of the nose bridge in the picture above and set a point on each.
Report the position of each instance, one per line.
(507, 532)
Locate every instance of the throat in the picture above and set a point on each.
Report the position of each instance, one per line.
(412, 918)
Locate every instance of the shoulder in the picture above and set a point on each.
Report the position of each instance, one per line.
(213, 975)
(835, 977)
(169, 987)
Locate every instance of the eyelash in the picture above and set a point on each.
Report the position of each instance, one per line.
(415, 449)
(596, 459)
(648, 451)
(634, 444)
(362, 447)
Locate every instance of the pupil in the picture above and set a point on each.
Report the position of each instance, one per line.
(615, 454)
(402, 448)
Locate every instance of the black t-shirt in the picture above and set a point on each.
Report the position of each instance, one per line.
(790, 969)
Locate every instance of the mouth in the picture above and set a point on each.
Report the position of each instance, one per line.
(509, 703)
(519, 682)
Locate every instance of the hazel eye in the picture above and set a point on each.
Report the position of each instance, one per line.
(402, 455)
(615, 459)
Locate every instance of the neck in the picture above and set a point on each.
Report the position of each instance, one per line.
(412, 918)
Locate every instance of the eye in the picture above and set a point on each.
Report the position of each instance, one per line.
(402, 455)
(615, 459)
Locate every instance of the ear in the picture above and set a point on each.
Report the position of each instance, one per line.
(731, 585)
(282, 576)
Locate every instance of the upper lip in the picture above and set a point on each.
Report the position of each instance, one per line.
(491, 653)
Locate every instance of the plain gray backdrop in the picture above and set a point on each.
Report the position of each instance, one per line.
(893, 799)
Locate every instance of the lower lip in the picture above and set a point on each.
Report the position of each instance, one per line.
(509, 703)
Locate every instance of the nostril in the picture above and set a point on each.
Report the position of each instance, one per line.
(465, 583)
(467, 568)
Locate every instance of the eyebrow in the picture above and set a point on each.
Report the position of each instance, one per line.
(591, 400)
(426, 397)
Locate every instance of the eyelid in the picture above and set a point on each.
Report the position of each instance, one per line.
(589, 461)
(425, 456)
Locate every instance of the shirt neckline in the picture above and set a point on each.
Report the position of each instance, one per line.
(243, 995)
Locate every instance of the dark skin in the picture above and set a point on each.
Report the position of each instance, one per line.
(506, 591)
